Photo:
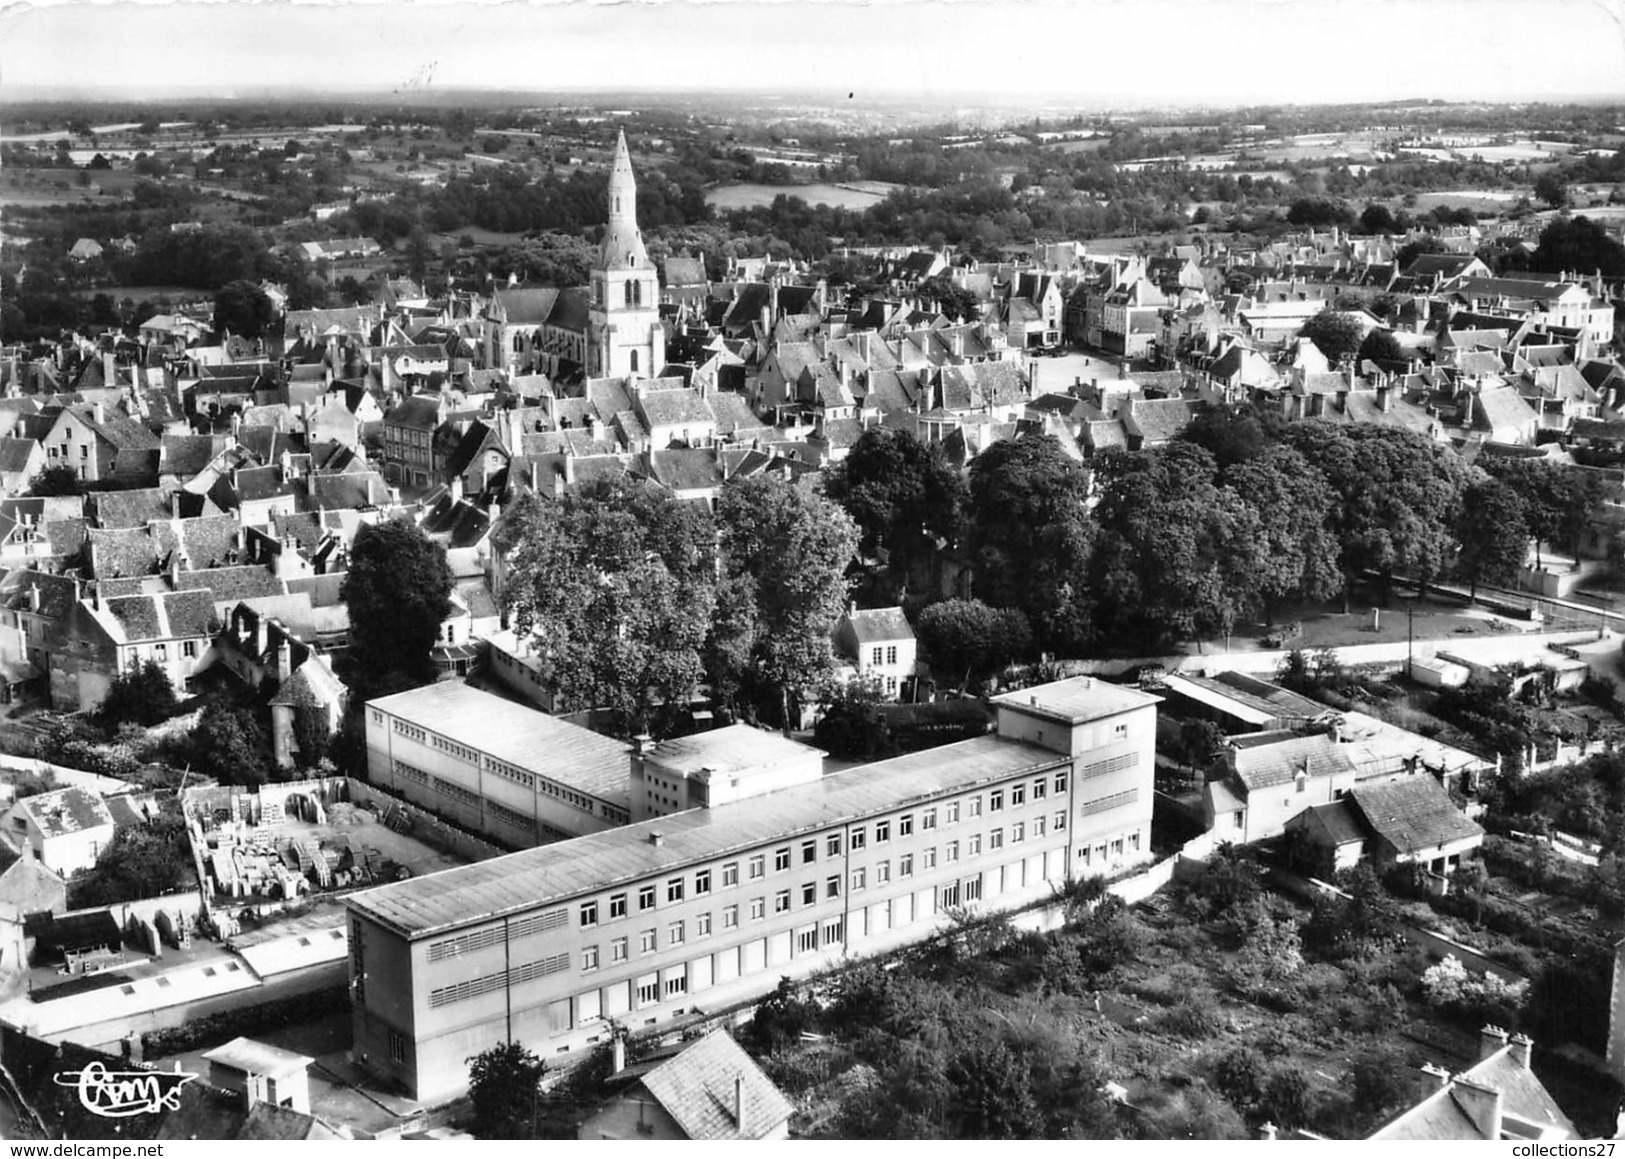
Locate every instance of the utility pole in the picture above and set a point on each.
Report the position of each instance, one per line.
(1410, 635)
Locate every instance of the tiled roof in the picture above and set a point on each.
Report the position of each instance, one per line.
(1263, 760)
(1413, 813)
(1340, 821)
(312, 685)
(685, 271)
(134, 508)
(236, 583)
(684, 469)
(186, 455)
(697, 1088)
(571, 309)
(121, 551)
(419, 412)
(66, 811)
(165, 616)
(460, 523)
(673, 408)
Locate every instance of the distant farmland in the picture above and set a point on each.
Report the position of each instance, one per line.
(848, 195)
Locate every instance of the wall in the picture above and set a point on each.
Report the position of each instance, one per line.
(426, 827)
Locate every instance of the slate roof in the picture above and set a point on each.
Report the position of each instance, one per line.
(1413, 813)
(1340, 822)
(15, 454)
(459, 523)
(1501, 407)
(697, 1089)
(65, 536)
(419, 412)
(1158, 420)
(686, 469)
(186, 455)
(877, 625)
(733, 414)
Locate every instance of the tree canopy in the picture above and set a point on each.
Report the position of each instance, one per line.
(616, 586)
(904, 496)
(242, 308)
(1337, 334)
(398, 592)
(785, 553)
(1580, 245)
(503, 1084)
(1029, 535)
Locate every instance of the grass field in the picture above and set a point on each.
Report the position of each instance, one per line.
(850, 195)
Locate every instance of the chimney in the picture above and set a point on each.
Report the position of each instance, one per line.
(617, 1051)
(1481, 1104)
(655, 839)
(1431, 1079)
(1490, 1040)
(109, 369)
(284, 659)
(99, 413)
(33, 597)
(456, 488)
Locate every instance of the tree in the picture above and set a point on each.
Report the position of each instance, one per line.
(229, 745)
(1297, 555)
(1394, 497)
(1177, 553)
(1581, 245)
(504, 1083)
(616, 586)
(1552, 189)
(242, 308)
(1410, 251)
(1378, 218)
(1233, 434)
(58, 480)
(398, 592)
(1380, 346)
(1494, 537)
(1336, 334)
(1030, 536)
(964, 639)
(142, 695)
(785, 551)
(847, 726)
(955, 302)
(1557, 499)
(141, 861)
(905, 498)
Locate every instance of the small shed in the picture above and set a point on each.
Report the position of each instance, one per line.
(261, 1073)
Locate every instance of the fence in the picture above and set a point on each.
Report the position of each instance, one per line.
(426, 827)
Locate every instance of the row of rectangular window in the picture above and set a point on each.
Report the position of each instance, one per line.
(675, 886)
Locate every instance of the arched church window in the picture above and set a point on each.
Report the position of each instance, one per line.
(637, 293)
(634, 365)
(629, 293)
(617, 205)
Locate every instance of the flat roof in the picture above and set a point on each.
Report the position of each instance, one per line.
(723, 750)
(1077, 700)
(526, 737)
(255, 1057)
(550, 874)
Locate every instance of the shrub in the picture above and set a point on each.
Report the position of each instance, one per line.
(1472, 998)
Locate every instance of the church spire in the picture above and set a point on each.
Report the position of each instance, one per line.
(623, 242)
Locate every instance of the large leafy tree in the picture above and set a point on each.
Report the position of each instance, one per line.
(141, 861)
(1233, 434)
(1296, 553)
(1178, 553)
(1557, 500)
(1494, 537)
(229, 745)
(1030, 536)
(785, 552)
(398, 592)
(964, 639)
(143, 695)
(905, 497)
(1394, 497)
(616, 585)
(1337, 334)
(243, 308)
(503, 1085)
(1581, 245)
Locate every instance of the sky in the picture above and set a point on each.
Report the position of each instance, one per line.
(1125, 52)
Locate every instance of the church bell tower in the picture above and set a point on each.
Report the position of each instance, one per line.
(624, 335)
